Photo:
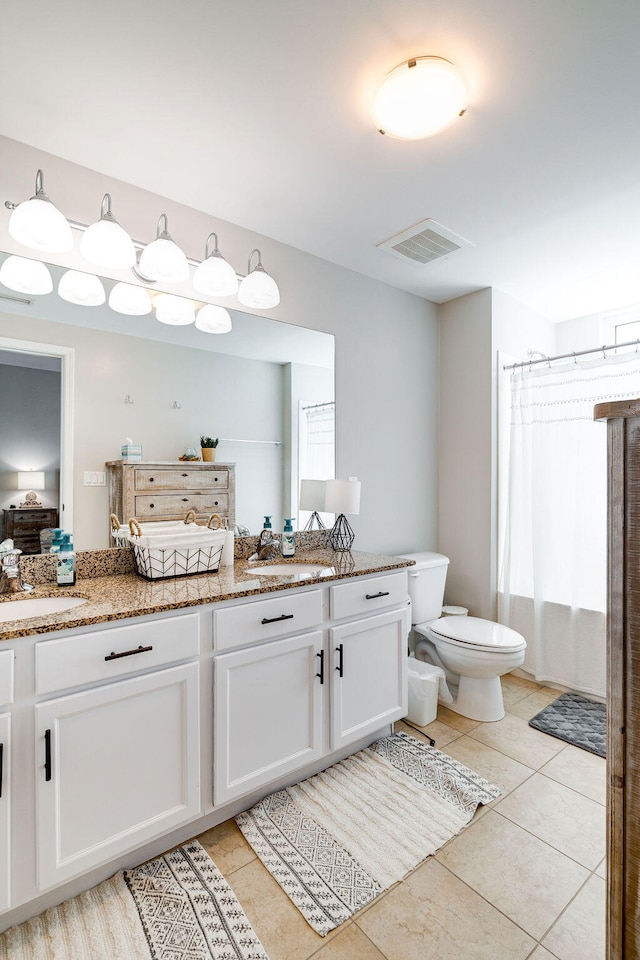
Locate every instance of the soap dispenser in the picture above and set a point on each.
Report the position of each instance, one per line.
(66, 563)
(288, 542)
(267, 533)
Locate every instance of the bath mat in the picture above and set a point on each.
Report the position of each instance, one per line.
(176, 907)
(336, 841)
(576, 720)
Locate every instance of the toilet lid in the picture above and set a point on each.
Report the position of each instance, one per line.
(475, 632)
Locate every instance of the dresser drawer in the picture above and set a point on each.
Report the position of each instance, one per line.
(31, 519)
(367, 596)
(176, 505)
(6, 677)
(91, 657)
(181, 480)
(266, 619)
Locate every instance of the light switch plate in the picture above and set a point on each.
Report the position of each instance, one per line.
(94, 478)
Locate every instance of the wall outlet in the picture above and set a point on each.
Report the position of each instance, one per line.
(94, 478)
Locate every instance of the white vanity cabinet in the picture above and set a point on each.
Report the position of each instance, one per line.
(118, 763)
(5, 810)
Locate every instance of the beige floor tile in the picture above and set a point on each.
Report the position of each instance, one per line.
(525, 878)
(602, 869)
(455, 720)
(541, 954)
(534, 703)
(350, 944)
(280, 927)
(582, 771)
(440, 732)
(514, 737)
(516, 688)
(505, 773)
(579, 934)
(227, 847)
(571, 823)
(435, 916)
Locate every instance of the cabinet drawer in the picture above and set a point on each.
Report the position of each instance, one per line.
(367, 596)
(266, 619)
(181, 480)
(176, 505)
(89, 657)
(6, 677)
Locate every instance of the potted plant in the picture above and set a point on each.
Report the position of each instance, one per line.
(208, 446)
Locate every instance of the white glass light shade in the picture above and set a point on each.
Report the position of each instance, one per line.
(312, 495)
(259, 290)
(176, 311)
(163, 260)
(213, 319)
(31, 480)
(85, 289)
(37, 224)
(131, 300)
(214, 277)
(107, 245)
(342, 496)
(26, 276)
(419, 98)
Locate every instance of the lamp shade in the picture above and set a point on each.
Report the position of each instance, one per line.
(342, 496)
(312, 495)
(130, 300)
(31, 480)
(163, 259)
(85, 289)
(213, 319)
(175, 311)
(26, 276)
(214, 276)
(37, 224)
(418, 98)
(105, 243)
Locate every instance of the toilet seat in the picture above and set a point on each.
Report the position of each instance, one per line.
(477, 634)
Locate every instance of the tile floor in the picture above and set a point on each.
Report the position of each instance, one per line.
(525, 879)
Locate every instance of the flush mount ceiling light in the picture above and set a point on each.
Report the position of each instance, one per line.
(25, 276)
(214, 276)
(130, 300)
(212, 319)
(175, 311)
(83, 289)
(37, 224)
(418, 98)
(105, 243)
(162, 259)
(258, 289)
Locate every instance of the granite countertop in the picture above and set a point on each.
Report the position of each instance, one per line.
(123, 595)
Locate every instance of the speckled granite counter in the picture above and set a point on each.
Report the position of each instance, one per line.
(123, 594)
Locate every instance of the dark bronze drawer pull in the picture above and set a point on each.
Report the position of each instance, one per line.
(128, 653)
(340, 667)
(321, 674)
(150, 479)
(185, 499)
(47, 755)
(185, 474)
(374, 596)
(285, 616)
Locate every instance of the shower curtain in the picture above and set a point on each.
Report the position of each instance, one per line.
(553, 558)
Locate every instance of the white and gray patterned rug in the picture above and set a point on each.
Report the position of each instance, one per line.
(176, 907)
(575, 720)
(336, 841)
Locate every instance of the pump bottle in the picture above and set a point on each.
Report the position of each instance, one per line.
(288, 542)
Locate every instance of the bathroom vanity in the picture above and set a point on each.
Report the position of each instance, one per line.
(154, 711)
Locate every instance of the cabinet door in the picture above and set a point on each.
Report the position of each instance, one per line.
(268, 713)
(116, 766)
(368, 675)
(5, 834)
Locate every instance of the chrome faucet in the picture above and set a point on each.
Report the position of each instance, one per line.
(10, 577)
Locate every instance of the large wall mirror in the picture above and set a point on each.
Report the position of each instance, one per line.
(266, 389)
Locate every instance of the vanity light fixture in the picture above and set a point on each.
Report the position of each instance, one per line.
(84, 289)
(26, 276)
(130, 300)
(38, 224)
(213, 319)
(162, 259)
(175, 311)
(419, 98)
(105, 243)
(214, 276)
(258, 289)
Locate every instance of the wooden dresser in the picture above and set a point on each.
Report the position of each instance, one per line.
(623, 693)
(24, 526)
(167, 490)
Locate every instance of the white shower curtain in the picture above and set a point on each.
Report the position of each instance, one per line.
(553, 559)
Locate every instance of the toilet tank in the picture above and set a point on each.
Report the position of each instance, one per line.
(426, 585)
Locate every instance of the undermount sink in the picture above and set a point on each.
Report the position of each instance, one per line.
(292, 569)
(36, 607)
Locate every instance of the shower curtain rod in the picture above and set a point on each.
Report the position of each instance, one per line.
(574, 355)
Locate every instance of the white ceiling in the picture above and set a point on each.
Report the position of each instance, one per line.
(258, 113)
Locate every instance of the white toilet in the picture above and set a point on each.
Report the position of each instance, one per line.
(473, 653)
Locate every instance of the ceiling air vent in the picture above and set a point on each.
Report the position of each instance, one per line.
(424, 243)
